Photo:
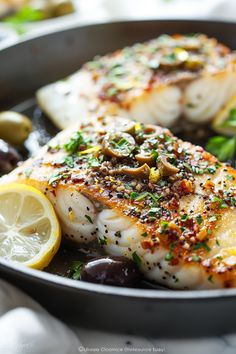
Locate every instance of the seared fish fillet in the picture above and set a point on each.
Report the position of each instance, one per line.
(144, 194)
(155, 82)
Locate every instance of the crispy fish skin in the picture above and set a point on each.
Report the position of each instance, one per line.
(155, 82)
(145, 194)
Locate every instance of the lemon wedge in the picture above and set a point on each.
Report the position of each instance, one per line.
(225, 121)
(29, 230)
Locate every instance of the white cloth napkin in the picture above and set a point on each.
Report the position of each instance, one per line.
(25, 327)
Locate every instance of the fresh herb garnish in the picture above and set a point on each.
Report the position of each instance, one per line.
(169, 256)
(154, 211)
(201, 245)
(68, 161)
(54, 179)
(74, 143)
(185, 217)
(75, 270)
(164, 225)
(136, 259)
(93, 162)
(148, 194)
(199, 219)
(144, 234)
(230, 122)
(134, 195)
(230, 177)
(221, 202)
(210, 278)
(89, 219)
(24, 15)
(212, 218)
(154, 154)
(102, 241)
(222, 147)
(195, 258)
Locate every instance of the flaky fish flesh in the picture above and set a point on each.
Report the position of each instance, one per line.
(138, 191)
(155, 82)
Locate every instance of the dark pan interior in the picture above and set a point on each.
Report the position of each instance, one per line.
(24, 68)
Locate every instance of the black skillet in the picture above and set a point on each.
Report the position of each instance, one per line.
(30, 64)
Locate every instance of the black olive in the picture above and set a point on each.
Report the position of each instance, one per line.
(119, 271)
(9, 157)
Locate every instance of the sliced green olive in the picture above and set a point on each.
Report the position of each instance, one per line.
(137, 172)
(14, 127)
(147, 132)
(118, 144)
(165, 167)
(123, 125)
(61, 7)
(194, 62)
(54, 8)
(145, 156)
(174, 58)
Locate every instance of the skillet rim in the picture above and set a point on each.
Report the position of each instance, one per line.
(141, 294)
(68, 27)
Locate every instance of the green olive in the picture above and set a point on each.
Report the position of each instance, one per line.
(165, 167)
(14, 127)
(123, 125)
(148, 132)
(118, 144)
(61, 7)
(194, 62)
(53, 8)
(145, 155)
(137, 172)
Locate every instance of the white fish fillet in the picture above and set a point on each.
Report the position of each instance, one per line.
(155, 82)
(178, 220)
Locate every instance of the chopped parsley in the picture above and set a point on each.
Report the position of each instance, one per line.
(89, 219)
(217, 242)
(134, 195)
(221, 202)
(136, 259)
(68, 161)
(210, 278)
(195, 258)
(144, 195)
(54, 179)
(213, 218)
(75, 270)
(230, 177)
(185, 217)
(169, 256)
(154, 211)
(201, 245)
(74, 143)
(199, 219)
(102, 241)
(93, 162)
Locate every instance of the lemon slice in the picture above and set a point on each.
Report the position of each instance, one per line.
(29, 230)
(225, 121)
